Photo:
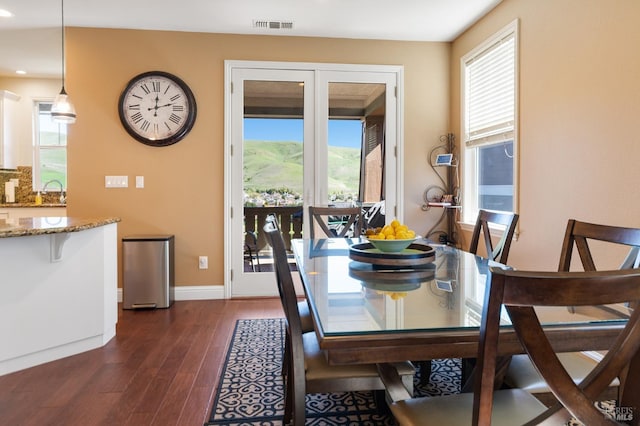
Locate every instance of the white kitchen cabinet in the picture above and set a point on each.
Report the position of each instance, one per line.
(54, 308)
(8, 110)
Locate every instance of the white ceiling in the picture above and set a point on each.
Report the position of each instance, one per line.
(30, 39)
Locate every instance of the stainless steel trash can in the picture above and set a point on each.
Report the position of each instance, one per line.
(148, 271)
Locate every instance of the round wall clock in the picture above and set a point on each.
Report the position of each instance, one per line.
(157, 108)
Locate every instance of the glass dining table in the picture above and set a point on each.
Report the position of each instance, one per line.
(369, 313)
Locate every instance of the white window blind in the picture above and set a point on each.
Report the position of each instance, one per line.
(490, 103)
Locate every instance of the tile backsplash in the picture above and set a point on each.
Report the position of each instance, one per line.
(24, 191)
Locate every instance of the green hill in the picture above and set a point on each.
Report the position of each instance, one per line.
(276, 165)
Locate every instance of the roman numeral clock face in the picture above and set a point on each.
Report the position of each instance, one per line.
(157, 108)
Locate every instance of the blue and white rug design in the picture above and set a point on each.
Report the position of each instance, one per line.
(251, 391)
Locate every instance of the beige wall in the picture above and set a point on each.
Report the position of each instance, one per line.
(183, 192)
(579, 113)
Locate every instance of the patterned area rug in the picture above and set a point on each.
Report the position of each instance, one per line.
(251, 390)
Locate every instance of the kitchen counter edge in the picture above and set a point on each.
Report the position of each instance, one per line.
(27, 226)
(30, 205)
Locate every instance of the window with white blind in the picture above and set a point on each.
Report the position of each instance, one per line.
(489, 124)
(50, 150)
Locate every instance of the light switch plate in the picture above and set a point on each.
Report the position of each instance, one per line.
(116, 181)
(139, 181)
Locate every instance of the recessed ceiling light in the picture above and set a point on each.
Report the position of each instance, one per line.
(5, 14)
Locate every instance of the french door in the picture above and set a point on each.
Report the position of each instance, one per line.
(298, 135)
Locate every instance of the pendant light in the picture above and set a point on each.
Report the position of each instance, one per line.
(62, 110)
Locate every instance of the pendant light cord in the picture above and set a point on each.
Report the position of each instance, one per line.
(62, 110)
(63, 67)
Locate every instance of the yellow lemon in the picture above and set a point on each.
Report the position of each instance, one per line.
(393, 231)
(398, 295)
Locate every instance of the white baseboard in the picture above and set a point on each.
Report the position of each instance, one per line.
(199, 292)
(208, 292)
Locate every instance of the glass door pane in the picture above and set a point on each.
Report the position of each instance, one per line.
(345, 140)
(356, 127)
(273, 135)
(271, 129)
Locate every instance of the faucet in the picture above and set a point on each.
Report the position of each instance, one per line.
(62, 197)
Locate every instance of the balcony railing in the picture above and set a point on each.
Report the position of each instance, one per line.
(289, 218)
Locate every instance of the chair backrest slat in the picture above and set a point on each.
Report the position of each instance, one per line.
(286, 288)
(296, 379)
(320, 215)
(579, 234)
(579, 290)
(500, 252)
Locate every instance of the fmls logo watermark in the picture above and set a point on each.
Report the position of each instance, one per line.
(623, 414)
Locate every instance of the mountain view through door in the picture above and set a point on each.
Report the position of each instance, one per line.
(273, 150)
(273, 153)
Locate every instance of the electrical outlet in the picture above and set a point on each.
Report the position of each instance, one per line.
(203, 262)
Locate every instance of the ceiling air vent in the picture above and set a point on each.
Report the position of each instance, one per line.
(272, 25)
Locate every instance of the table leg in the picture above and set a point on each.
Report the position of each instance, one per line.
(425, 372)
(469, 369)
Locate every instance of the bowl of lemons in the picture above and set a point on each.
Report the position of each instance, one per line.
(391, 238)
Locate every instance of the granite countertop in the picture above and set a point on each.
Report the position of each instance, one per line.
(23, 205)
(26, 226)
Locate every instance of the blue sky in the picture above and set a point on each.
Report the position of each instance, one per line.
(345, 133)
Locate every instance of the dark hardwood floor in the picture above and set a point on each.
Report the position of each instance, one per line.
(161, 369)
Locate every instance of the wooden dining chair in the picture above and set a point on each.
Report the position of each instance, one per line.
(521, 373)
(309, 371)
(251, 252)
(306, 322)
(519, 292)
(350, 221)
(500, 252)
